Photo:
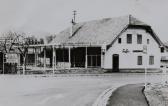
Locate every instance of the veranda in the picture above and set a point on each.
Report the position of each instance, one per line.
(55, 57)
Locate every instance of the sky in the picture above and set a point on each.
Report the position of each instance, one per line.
(44, 17)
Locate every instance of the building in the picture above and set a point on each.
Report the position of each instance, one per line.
(118, 44)
(164, 56)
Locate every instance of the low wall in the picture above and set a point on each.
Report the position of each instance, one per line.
(150, 70)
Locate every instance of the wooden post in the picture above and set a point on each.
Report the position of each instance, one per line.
(53, 59)
(69, 58)
(40, 59)
(102, 58)
(86, 59)
(103, 51)
(35, 58)
(63, 58)
(3, 64)
(44, 58)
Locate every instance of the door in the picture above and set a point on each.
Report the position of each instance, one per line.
(115, 64)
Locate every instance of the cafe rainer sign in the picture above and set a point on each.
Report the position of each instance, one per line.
(11, 58)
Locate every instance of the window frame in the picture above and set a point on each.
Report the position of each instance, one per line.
(151, 60)
(162, 49)
(139, 38)
(119, 40)
(148, 41)
(129, 38)
(139, 60)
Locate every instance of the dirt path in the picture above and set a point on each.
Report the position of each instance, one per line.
(128, 95)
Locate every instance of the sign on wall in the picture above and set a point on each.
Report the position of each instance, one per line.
(11, 58)
(30, 50)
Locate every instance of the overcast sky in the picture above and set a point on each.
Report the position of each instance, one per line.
(52, 16)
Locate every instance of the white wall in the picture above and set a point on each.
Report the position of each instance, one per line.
(129, 60)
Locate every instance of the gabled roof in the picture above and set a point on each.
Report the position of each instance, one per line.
(96, 32)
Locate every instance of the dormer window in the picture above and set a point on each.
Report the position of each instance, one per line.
(129, 38)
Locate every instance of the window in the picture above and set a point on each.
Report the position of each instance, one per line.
(147, 41)
(119, 40)
(129, 38)
(63, 55)
(162, 49)
(139, 60)
(139, 39)
(94, 60)
(151, 60)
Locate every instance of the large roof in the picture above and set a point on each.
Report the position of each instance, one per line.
(96, 32)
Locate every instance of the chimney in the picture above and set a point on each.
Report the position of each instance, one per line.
(130, 19)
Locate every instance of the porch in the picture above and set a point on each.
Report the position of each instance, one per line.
(65, 57)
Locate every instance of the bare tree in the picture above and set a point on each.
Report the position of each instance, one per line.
(23, 46)
(17, 43)
(8, 40)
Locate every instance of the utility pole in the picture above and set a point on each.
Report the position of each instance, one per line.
(145, 52)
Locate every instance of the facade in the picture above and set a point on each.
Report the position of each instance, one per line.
(127, 52)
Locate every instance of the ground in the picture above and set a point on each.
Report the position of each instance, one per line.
(62, 90)
(157, 94)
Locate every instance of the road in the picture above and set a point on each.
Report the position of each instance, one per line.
(62, 90)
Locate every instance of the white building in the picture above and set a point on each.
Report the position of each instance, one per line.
(111, 43)
(128, 50)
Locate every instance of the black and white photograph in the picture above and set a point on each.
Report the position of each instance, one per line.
(83, 53)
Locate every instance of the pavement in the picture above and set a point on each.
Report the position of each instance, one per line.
(128, 95)
(63, 89)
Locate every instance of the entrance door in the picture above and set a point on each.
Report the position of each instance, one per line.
(115, 64)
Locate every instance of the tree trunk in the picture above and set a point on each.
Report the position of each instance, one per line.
(24, 64)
